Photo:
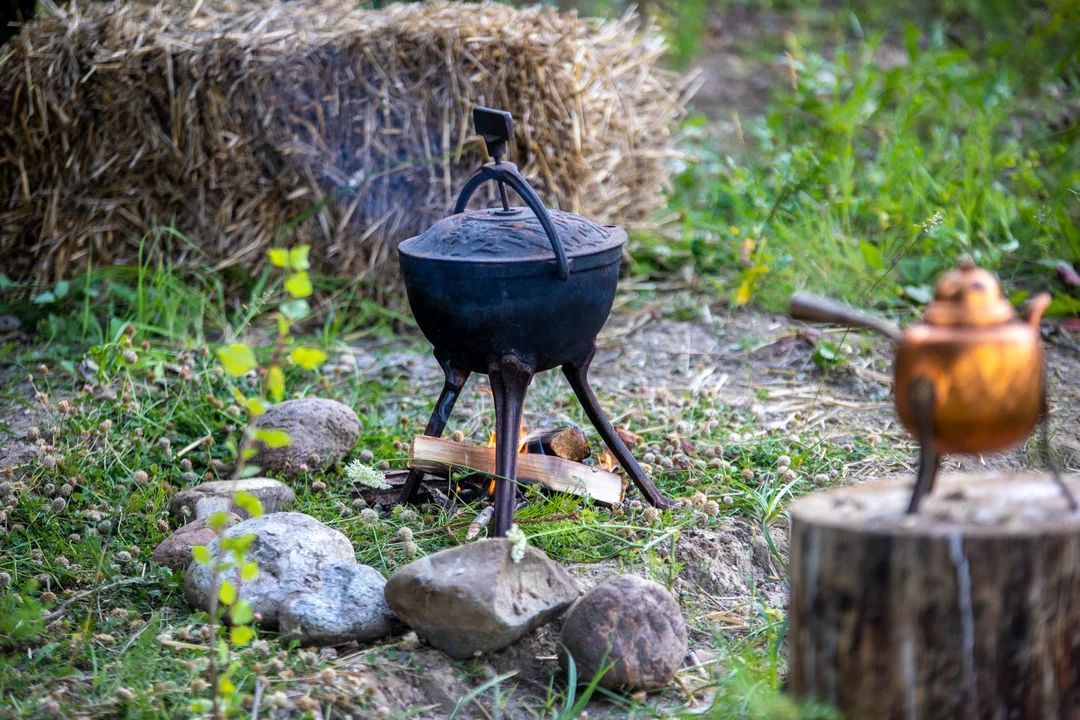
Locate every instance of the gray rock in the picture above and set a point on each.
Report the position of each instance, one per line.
(349, 607)
(474, 598)
(292, 550)
(217, 496)
(631, 622)
(320, 432)
(175, 550)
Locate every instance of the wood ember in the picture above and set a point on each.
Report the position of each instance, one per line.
(437, 456)
(569, 443)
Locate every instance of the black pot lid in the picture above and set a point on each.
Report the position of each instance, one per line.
(497, 235)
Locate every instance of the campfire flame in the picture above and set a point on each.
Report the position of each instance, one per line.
(522, 434)
(607, 461)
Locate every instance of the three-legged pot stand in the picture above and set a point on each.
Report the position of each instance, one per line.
(510, 378)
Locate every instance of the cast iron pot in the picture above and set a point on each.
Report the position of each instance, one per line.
(526, 282)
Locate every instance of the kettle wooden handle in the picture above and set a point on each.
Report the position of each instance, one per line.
(814, 308)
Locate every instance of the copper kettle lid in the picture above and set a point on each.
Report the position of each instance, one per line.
(968, 297)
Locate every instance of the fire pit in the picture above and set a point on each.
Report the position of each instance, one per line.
(510, 292)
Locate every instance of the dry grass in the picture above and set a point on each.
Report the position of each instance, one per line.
(227, 121)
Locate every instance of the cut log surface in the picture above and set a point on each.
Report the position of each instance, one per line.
(969, 609)
(435, 455)
(569, 443)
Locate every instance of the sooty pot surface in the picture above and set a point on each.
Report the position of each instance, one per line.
(482, 306)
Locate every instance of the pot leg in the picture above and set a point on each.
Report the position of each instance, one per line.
(510, 378)
(922, 400)
(577, 374)
(1048, 456)
(455, 382)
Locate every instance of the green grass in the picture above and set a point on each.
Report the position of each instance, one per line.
(92, 444)
(865, 181)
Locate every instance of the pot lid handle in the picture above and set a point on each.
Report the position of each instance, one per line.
(497, 128)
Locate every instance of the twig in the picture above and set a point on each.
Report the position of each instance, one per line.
(258, 699)
(481, 520)
(59, 612)
(194, 445)
(185, 646)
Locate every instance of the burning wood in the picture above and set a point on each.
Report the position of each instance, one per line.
(569, 443)
(437, 456)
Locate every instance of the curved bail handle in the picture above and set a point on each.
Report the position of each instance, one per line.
(506, 172)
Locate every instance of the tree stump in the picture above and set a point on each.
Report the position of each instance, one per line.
(969, 609)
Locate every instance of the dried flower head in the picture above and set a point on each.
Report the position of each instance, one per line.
(651, 514)
(518, 541)
(123, 557)
(369, 516)
(318, 486)
(698, 500)
(366, 475)
(712, 508)
(403, 535)
(140, 477)
(58, 505)
(783, 461)
(747, 474)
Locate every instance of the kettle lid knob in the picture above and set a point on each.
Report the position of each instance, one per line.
(968, 296)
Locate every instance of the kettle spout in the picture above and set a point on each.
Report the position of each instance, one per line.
(1036, 307)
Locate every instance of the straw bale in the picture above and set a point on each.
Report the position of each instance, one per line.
(231, 122)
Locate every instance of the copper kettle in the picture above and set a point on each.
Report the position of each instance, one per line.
(970, 377)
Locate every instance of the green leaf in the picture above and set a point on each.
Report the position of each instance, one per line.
(250, 471)
(275, 383)
(5, 282)
(237, 358)
(249, 502)
(298, 258)
(872, 255)
(241, 635)
(225, 685)
(307, 358)
(249, 452)
(272, 438)
(201, 553)
(61, 289)
(218, 520)
(298, 285)
(249, 571)
(241, 613)
(921, 294)
(279, 257)
(294, 310)
(202, 705)
(227, 593)
(44, 298)
(254, 406)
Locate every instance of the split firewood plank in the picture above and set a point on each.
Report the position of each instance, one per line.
(569, 443)
(434, 455)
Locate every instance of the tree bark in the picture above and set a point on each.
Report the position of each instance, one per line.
(968, 610)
